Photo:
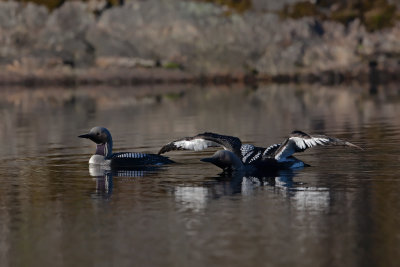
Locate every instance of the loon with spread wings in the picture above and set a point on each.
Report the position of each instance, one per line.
(276, 156)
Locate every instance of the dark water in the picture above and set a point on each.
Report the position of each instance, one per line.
(342, 211)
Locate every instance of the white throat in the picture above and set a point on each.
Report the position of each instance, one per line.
(99, 160)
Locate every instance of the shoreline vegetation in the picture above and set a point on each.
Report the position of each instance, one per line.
(74, 43)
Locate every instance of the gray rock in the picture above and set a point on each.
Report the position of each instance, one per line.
(64, 34)
(201, 37)
(262, 5)
(19, 28)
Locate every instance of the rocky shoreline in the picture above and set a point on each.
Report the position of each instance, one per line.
(95, 77)
(156, 41)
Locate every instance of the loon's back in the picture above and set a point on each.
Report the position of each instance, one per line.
(132, 159)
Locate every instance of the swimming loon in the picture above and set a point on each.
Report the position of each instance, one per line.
(233, 166)
(104, 156)
(227, 161)
(274, 157)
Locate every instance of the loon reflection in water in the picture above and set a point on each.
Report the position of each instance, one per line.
(245, 182)
(302, 197)
(104, 177)
(195, 197)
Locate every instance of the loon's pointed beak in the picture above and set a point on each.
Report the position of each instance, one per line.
(85, 136)
(93, 137)
(211, 160)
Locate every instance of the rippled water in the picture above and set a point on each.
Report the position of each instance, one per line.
(342, 211)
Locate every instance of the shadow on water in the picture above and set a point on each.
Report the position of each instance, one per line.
(241, 183)
(221, 185)
(195, 196)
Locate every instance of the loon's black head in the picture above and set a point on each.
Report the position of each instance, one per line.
(102, 137)
(99, 135)
(226, 160)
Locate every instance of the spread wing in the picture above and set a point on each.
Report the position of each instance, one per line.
(300, 141)
(203, 141)
(270, 151)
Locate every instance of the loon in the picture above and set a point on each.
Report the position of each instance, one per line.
(227, 161)
(275, 157)
(104, 156)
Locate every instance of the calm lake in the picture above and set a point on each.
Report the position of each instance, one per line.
(344, 210)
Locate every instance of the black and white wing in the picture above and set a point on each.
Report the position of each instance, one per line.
(203, 141)
(300, 141)
(270, 151)
(251, 154)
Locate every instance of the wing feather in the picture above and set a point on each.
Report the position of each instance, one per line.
(299, 141)
(203, 141)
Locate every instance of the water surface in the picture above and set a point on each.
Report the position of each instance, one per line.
(344, 210)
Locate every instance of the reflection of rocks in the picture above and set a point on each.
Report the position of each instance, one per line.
(306, 107)
(197, 36)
